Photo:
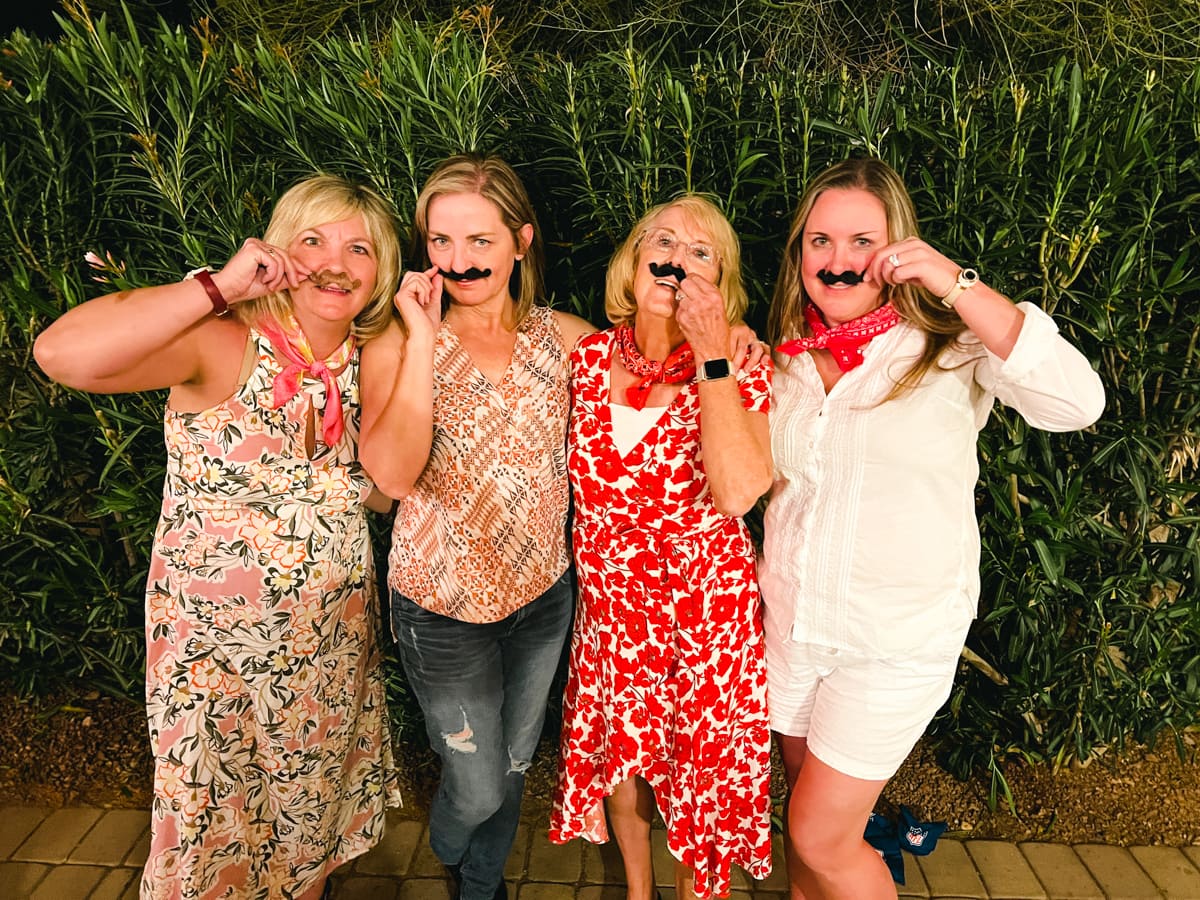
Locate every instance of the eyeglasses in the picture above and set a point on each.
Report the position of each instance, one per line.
(662, 240)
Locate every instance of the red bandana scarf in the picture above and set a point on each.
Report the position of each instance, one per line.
(844, 341)
(678, 367)
(290, 343)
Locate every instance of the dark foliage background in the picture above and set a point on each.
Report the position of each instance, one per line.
(1064, 169)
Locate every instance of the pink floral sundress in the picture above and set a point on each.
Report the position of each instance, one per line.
(264, 692)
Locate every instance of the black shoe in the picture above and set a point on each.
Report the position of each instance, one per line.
(455, 873)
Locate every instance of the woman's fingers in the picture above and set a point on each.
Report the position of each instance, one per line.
(419, 299)
(700, 312)
(912, 261)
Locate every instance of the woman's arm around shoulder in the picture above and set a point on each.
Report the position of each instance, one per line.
(572, 328)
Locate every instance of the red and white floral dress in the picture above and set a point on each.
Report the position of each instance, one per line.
(667, 679)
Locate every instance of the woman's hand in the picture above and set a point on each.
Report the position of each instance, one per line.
(993, 318)
(746, 350)
(256, 270)
(419, 302)
(912, 261)
(700, 312)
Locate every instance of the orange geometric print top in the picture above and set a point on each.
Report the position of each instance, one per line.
(484, 531)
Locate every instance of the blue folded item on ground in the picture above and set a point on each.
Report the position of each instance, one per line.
(881, 834)
(918, 838)
(889, 839)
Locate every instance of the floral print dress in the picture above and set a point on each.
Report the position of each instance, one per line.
(264, 692)
(667, 679)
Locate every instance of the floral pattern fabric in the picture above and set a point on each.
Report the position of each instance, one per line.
(264, 693)
(667, 678)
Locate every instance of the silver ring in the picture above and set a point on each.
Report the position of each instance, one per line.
(894, 260)
(678, 296)
(270, 251)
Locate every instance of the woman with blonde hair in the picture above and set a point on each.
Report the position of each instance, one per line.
(465, 421)
(264, 692)
(666, 696)
(889, 359)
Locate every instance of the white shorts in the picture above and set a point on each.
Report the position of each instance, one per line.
(861, 716)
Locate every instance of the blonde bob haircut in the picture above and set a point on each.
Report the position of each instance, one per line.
(495, 180)
(915, 305)
(704, 216)
(320, 200)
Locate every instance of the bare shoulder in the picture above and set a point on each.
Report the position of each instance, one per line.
(209, 354)
(392, 338)
(572, 328)
(219, 347)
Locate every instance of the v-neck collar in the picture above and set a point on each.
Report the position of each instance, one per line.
(604, 413)
(519, 356)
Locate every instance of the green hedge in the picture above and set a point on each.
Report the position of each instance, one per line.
(1074, 188)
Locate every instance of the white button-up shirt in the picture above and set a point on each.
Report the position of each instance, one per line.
(871, 543)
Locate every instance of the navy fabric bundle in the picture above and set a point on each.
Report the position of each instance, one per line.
(909, 834)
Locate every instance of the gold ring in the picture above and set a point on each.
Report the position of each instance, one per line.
(270, 251)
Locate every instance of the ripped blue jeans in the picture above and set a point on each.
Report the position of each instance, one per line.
(483, 689)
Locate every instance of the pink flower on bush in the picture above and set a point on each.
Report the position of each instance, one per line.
(104, 264)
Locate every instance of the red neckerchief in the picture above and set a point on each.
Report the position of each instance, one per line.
(844, 341)
(290, 342)
(679, 366)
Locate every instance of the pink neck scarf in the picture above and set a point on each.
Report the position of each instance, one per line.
(290, 343)
(844, 341)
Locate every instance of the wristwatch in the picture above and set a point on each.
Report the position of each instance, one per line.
(220, 306)
(967, 279)
(713, 370)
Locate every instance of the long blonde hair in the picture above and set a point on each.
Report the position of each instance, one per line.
(317, 201)
(942, 326)
(495, 180)
(619, 303)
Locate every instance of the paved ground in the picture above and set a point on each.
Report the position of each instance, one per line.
(94, 854)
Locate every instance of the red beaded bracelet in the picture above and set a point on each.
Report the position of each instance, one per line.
(219, 304)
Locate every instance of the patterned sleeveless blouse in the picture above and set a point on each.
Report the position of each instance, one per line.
(484, 531)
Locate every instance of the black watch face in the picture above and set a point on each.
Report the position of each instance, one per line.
(716, 368)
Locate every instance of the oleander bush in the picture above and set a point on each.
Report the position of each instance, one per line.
(1069, 184)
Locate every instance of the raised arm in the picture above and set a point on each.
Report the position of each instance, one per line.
(1041, 375)
(993, 318)
(396, 386)
(162, 336)
(735, 441)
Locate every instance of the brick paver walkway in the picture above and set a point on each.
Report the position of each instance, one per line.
(91, 854)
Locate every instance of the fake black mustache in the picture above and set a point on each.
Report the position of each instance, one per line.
(848, 277)
(472, 274)
(667, 269)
